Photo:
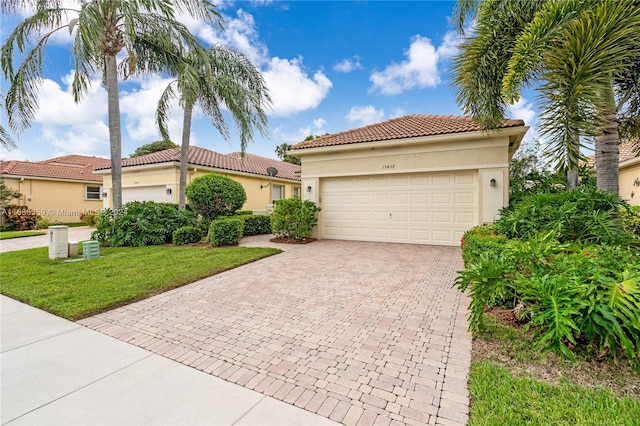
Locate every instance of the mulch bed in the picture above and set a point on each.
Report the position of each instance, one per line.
(304, 240)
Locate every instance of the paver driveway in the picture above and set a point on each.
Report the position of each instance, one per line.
(361, 333)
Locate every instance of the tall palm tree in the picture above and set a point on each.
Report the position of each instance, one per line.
(574, 50)
(146, 29)
(215, 79)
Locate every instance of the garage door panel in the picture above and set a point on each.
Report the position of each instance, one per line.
(145, 193)
(424, 208)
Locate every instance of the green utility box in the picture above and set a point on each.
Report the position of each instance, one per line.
(91, 250)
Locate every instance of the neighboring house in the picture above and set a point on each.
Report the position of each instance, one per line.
(156, 176)
(63, 187)
(414, 179)
(628, 175)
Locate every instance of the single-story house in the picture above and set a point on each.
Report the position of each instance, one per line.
(421, 179)
(156, 176)
(629, 174)
(63, 187)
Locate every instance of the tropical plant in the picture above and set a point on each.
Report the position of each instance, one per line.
(215, 78)
(147, 30)
(152, 147)
(282, 151)
(213, 195)
(141, 224)
(574, 49)
(294, 218)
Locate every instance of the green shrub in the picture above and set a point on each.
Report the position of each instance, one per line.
(631, 219)
(43, 222)
(256, 224)
(588, 215)
(214, 195)
(22, 217)
(243, 213)
(481, 239)
(89, 219)
(187, 235)
(6, 227)
(226, 231)
(141, 224)
(294, 218)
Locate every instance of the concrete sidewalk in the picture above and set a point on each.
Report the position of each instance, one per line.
(57, 372)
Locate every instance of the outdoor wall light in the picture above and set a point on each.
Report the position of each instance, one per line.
(492, 182)
(104, 194)
(308, 188)
(169, 191)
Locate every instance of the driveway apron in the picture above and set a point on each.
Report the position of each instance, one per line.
(361, 333)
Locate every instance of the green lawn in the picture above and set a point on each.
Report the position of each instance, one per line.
(499, 398)
(79, 289)
(7, 235)
(508, 385)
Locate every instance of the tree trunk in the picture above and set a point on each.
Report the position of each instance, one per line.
(115, 133)
(608, 154)
(184, 155)
(572, 180)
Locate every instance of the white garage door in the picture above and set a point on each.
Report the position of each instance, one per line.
(428, 208)
(145, 193)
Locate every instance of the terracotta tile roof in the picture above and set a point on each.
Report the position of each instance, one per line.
(253, 164)
(626, 153)
(71, 167)
(409, 126)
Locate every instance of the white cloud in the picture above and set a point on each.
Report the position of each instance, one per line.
(291, 89)
(348, 65)
(364, 115)
(418, 70)
(280, 135)
(319, 123)
(524, 110)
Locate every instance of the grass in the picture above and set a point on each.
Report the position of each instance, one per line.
(511, 383)
(7, 235)
(122, 275)
(499, 398)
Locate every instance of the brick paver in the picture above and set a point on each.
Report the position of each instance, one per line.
(361, 333)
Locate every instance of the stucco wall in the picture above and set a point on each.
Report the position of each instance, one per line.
(627, 176)
(63, 201)
(257, 199)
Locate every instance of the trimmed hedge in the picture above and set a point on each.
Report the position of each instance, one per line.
(187, 235)
(226, 231)
(256, 224)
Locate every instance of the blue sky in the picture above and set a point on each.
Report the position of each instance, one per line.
(330, 66)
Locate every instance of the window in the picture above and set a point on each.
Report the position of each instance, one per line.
(296, 191)
(277, 192)
(92, 192)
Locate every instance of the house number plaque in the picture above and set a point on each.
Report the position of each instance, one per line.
(388, 166)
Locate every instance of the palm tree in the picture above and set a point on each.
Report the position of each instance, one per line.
(574, 48)
(146, 29)
(214, 79)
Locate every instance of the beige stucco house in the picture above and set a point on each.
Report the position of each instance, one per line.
(156, 176)
(415, 179)
(629, 174)
(63, 187)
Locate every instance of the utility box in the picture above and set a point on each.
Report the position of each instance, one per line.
(91, 250)
(58, 241)
(73, 248)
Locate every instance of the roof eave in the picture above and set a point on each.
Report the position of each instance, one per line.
(515, 135)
